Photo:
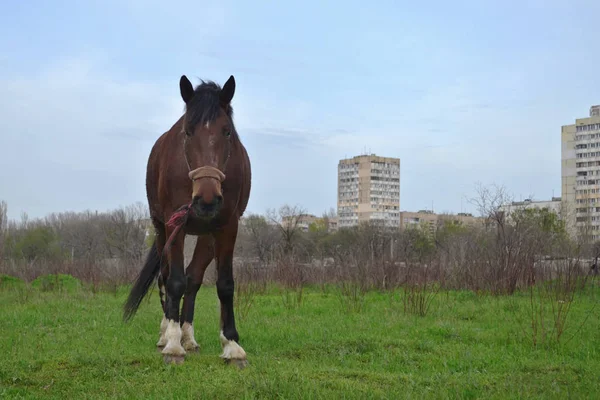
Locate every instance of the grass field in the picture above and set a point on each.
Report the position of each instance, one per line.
(72, 345)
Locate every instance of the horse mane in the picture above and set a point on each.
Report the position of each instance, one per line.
(204, 107)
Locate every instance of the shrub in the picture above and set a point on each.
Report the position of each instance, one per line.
(56, 282)
(11, 282)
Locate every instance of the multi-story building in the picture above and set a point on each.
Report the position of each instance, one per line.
(430, 221)
(425, 219)
(462, 218)
(554, 205)
(301, 221)
(332, 224)
(580, 170)
(368, 191)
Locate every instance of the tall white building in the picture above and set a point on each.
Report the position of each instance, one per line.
(580, 170)
(369, 190)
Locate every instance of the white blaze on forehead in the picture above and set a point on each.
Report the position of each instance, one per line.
(207, 125)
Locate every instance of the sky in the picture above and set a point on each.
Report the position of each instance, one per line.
(462, 92)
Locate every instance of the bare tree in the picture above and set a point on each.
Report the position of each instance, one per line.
(81, 233)
(262, 236)
(24, 220)
(126, 231)
(288, 219)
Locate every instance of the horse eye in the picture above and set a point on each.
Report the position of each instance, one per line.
(227, 132)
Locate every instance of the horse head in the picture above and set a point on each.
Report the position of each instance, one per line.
(208, 129)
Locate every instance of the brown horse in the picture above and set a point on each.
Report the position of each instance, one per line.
(199, 165)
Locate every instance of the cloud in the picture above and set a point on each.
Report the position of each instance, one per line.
(457, 97)
(64, 133)
(79, 137)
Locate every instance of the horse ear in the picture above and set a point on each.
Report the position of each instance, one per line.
(227, 91)
(186, 89)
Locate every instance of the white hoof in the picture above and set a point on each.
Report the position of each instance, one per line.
(231, 350)
(162, 341)
(173, 336)
(188, 341)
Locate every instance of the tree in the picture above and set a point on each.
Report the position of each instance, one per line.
(81, 234)
(262, 236)
(320, 225)
(288, 219)
(37, 243)
(125, 233)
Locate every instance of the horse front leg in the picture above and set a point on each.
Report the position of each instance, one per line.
(232, 351)
(175, 285)
(203, 255)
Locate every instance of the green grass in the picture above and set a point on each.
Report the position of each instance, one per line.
(69, 344)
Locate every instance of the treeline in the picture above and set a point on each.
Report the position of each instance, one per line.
(92, 246)
(498, 255)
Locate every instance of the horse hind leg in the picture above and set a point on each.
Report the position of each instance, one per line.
(162, 340)
(175, 286)
(160, 243)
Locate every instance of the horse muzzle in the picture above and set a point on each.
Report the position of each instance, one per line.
(207, 193)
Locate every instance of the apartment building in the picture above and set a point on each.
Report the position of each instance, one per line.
(426, 219)
(332, 224)
(302, 221)
(553, 205)
(429, 220)
(580, 173)
(465, 219)
(368, 190)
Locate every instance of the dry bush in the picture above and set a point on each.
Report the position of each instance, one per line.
(552, 298)
(420, 289)
(250, 280)
(291, 277)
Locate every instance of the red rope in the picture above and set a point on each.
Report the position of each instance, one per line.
(179, 217)
(176, 222)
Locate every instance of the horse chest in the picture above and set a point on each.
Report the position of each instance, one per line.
(196, 226)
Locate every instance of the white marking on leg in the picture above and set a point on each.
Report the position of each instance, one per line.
(231, 350)
(161, 290)
(173, 335)
(162, 341)
(188, 341)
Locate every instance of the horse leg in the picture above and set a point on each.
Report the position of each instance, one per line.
(203, 255)
(160, 243)
(225, 243)
(175, 285)
(162, 341)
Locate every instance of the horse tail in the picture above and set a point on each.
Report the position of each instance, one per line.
(143, 282)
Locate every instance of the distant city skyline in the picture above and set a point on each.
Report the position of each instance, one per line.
(461, 92)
